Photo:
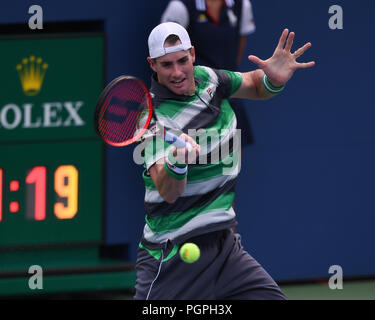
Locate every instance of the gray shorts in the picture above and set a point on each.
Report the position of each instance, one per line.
(224, 271)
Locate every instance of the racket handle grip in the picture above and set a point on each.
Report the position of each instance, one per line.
(176, 141)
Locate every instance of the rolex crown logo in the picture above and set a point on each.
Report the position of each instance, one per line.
(31, 72)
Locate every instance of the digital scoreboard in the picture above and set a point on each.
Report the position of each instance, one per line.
(51, 193)
(52, 165)
(51, 161)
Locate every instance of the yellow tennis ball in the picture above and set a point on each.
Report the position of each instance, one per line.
(190, 252)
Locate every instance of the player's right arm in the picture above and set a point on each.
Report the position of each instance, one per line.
(170, 188)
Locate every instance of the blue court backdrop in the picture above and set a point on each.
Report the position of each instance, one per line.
(306, 196)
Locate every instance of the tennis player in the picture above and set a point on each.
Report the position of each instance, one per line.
(189, 201)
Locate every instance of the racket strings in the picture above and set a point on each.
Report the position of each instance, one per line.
(124, 112)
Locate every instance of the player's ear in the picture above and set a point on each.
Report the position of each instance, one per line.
(152, 63)
(192, 53)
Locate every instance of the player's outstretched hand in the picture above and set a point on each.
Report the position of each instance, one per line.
(281, 66)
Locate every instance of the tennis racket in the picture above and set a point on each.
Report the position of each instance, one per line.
(124, 112)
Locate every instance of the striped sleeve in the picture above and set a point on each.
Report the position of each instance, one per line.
(230, 82)
(155, 149)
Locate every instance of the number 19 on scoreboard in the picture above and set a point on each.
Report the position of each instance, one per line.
(65, 186)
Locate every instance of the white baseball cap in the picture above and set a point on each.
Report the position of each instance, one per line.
(161, 32)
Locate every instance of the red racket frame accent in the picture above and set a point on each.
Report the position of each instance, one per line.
(102, 100)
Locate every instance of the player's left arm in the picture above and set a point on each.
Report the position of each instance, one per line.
(278, 69)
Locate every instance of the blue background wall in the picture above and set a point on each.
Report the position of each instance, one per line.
(305, 198)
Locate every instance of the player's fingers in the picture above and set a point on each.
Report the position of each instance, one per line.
(257, 61)
(193, 144)
(282, 39)
(301, 50)
(189, 154)
(304, 65)
(289, 41)
(197, 150)
(188, 139)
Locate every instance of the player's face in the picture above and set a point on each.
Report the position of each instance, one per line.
(175, 70)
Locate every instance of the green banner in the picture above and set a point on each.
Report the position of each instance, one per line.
(49, 87)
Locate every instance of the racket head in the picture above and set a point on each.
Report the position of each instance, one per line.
(123, 112)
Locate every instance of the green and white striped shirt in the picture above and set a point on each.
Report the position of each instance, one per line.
(206, 204)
